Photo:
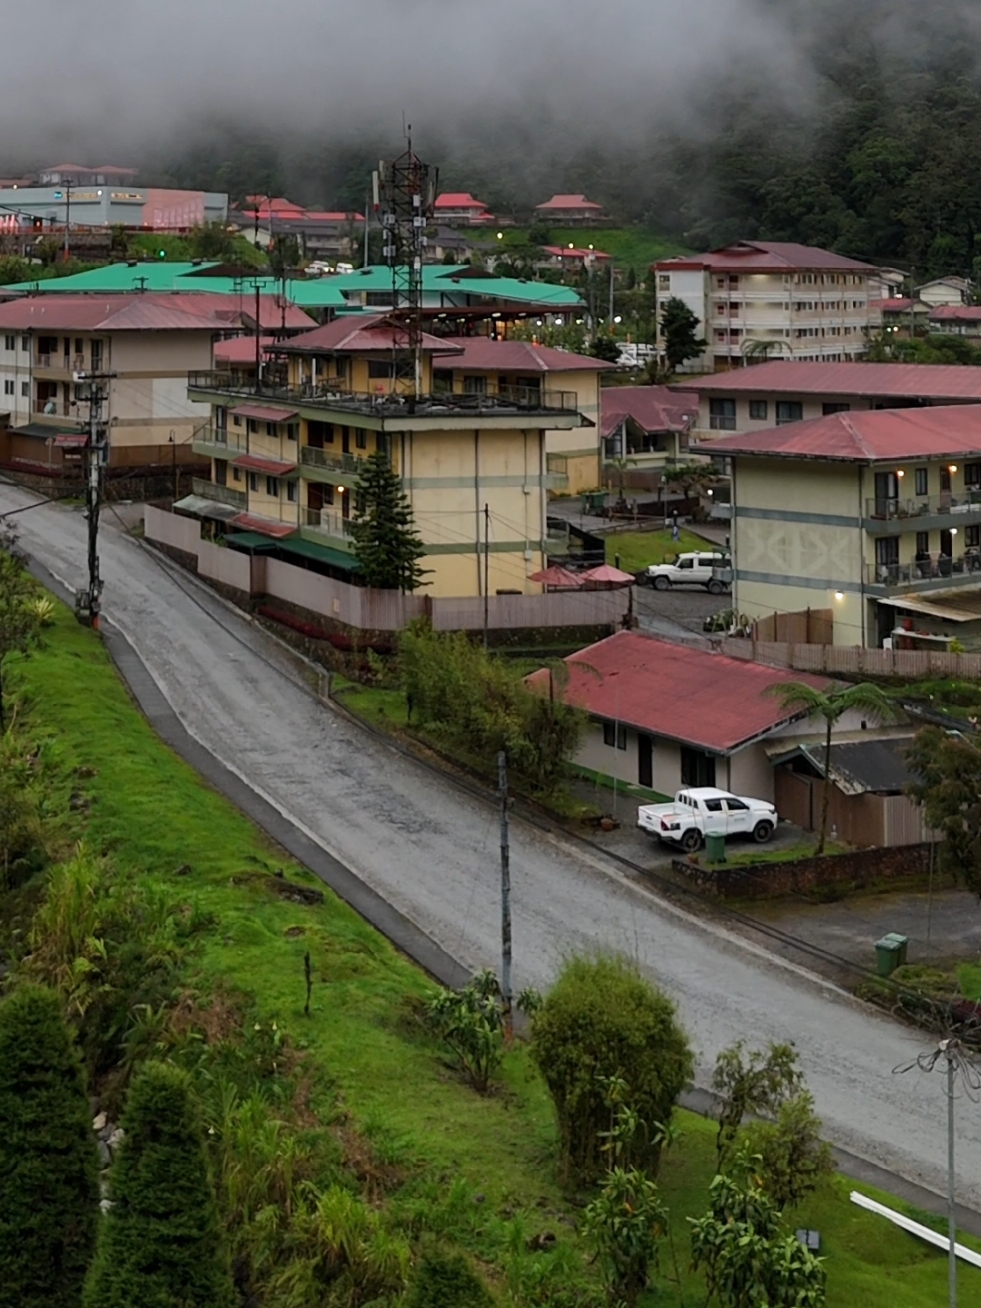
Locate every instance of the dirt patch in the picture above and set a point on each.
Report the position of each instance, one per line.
(279, 885)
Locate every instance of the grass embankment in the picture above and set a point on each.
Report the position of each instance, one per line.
(628, 247)
(639, 549)
(480, 1169)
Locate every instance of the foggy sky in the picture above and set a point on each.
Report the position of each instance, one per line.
(108, 80)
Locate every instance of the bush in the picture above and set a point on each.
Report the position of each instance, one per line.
(48, 1157)
(446, 1281)
(160, 1245)
(603, 1021)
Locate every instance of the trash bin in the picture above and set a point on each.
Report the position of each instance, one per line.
(715, 849)
(890, 953)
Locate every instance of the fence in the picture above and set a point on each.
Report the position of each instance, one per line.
(380, 610)
(806, 627)
(907, 663)
(863, 820)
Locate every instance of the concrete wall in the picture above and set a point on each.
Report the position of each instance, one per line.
(148, 397)
(227, 567)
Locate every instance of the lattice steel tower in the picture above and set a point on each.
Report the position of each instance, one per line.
(405, 193)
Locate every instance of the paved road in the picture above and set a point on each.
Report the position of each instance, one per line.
(432, 851)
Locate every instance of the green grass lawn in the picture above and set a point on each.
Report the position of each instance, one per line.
(638, 549)
(152, 815)
(628, 246)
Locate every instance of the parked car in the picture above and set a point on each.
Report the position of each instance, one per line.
(697, 812)
(694, 569)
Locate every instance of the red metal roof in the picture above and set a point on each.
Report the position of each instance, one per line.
(240, 349)
(361, 335)
(483, 354)
(956, 313)
(264, 526)
(865, 435)
(674, 691)
(458, 200)
(899, 304)
(264, 413)
(559, 202)
(653, 408)
(767, 256)
(910, 381)
(125, 312)
(572, 252)
(259, 463)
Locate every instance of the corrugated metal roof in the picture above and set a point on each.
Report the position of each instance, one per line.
(956, 313)
(458, 200)
(362, 335)
(240, 349)
(677, 692)
(109, 313)
(654, 408)
(768, 256)
(259, 463)
(865, 435)
(569, 202)
(483, 354)
(262, 526)
(863, 767)
(264, 413)
(911, 381)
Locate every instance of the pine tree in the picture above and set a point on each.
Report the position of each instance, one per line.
(387, 545)
(679, 327)
(49, 1163)
(160, 1245)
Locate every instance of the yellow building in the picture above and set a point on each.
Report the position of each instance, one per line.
(875, 515)
(529, 371)
(474, 464)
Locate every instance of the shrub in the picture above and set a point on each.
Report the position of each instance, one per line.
(471, 1023)
(625, 1224)
(603, 1021)
(160, 1242)
(48, 1157)
(446, 1281)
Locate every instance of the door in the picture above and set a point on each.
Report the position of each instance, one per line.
(887, 559)
(645, 760)
(739, 818)
(702, 570)
(886, 494)
(685, 570)
(315, 495)
(715, 818)
(946, 553)
(345, 440)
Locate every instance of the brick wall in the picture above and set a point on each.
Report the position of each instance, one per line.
(853, 871)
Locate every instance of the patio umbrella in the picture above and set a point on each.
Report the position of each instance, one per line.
(558, 578)
(607, 575)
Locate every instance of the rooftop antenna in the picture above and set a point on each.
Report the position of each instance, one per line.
(406, 192)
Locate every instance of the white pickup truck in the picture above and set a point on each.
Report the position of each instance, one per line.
(704, 811)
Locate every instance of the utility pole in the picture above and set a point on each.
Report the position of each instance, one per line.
(87, 602)
(486, 572)
(502, 784)
(68, 219)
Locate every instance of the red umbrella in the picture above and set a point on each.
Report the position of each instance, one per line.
(607, 575)
(558, 578)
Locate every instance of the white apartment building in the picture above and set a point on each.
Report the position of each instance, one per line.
(771, 299)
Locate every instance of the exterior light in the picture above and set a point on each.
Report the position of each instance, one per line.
(572, 245)
(618, 318)
(839, 595)
(591, 247)
(900, 472)
(952, 468)
(710, 491)
(340, 490)
(953, 531)
(500, 236)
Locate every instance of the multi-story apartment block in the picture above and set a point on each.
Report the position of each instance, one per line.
(285, 455)
(873, 515)
(773, 394)
(759, 298)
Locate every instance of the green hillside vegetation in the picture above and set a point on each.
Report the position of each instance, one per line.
(629, 247)
(349, 1157)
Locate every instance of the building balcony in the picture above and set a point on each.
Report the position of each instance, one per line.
(326, 524)
(209, 490)
(519, 402)
(217, 443)
(928, 573)
(894, 517)
(314, 459)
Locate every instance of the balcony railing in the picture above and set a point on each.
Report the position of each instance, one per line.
(328, 521)
(923, 505)
(440, 404)
(928, 569)
(209, 490)
(315, 457)
(229, 442)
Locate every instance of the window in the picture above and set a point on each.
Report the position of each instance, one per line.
(887, 551)
(9, 342)
(686, 563)
(8, 388)
(475, 385)
(972, 537)
(972, 474)
(923, 543)
(379, 369)
(664, 281)
(360, 438)
(253, 481)
(251, 426)
(25, 344)
(25, 389)
(713, 805)
(789, 411)
(272, 487)
(758, 410)
(722, 415)
(291, 491)
(270, 429)
(614, 733)
(834, 407)
(236, 420)
(236, 473)
(736, 806)
(96, 355)
(921, 478)
(79, 345)
(697, 767)
(221, 472)
(293, 431)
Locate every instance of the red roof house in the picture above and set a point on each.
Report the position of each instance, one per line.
(461, 207)
(569, 209)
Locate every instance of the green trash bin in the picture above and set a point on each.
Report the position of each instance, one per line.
(890, 953)
(715, 848)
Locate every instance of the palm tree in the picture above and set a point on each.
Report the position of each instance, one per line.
(830, 705)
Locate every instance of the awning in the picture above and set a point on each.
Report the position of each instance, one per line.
(259, 463)
(204, 508)
(72, 439)
(953, 606)
(264, 526)
(858, 767)
(251, 542)
(263, 413)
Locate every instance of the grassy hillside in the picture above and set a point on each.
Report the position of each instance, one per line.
(629, 247)
(433, 1156)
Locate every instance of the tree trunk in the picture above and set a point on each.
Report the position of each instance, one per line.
(826, 797)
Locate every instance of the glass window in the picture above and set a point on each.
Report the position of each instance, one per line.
(9, 342)
(686, 563)
(270, 429)
(236, 473)
(25, 344)
(8, 388)
(758, 409)
(621, 737)
(272, 487)
(293, 431)
(921, 477)
(972, 537)
(972, 474)
(714, 805)
(291, 491)
(25, 389)
(609, 733)
(236, 420)
(722, 415)
(789, 411)
(360, 438)
(379, 369)
(253, 481)
(923, 543)
(736, 806)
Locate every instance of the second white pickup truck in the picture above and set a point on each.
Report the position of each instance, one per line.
(704, 811)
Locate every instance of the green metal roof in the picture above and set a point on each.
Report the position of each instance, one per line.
(453, 279)
(253, 542)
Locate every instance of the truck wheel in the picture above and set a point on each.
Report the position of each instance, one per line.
(715, 587)
(762, 832)
(691, 841)
(660, 583)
